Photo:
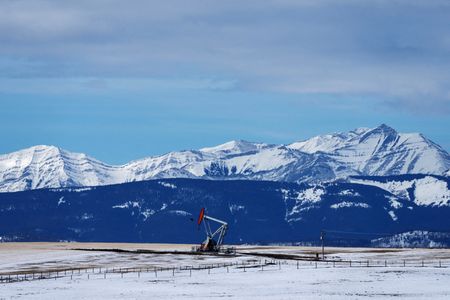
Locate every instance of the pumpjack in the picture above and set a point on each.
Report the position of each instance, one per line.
(214, 240)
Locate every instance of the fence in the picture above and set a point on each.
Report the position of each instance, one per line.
(242, 266)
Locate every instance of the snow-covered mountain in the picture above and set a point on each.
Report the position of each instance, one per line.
(379, 151)
(49, 166)
(423, 190)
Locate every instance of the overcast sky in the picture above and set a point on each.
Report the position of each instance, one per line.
(120, 80)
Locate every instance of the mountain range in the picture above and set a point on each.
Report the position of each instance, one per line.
(366, 187)
(359, 213)
(380, 151)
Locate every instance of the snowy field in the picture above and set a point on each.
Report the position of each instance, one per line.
(254, 273)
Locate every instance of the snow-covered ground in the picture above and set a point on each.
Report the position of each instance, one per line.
(285, 279)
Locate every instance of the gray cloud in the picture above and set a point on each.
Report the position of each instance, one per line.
(399, 50)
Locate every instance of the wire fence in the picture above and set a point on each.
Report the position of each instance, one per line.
(261, 265)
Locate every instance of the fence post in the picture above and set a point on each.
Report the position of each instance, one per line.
(316, 264)
(422, 263)
(297, 264)
(367, 263)
(404, 263)
(385, 263)
(350, 262)
(439, 263)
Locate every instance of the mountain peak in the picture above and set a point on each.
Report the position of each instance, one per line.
(39, 148)
(384, 128)
(46, 148)
(379, 136)
(29, 154)
(233, 147)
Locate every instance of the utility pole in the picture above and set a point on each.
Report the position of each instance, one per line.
(322, 239)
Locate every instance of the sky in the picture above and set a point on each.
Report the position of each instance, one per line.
(122, 80)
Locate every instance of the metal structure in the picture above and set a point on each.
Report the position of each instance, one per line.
(322, 239)
(214, 240)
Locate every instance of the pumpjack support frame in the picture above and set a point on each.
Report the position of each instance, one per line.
(214, 239)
